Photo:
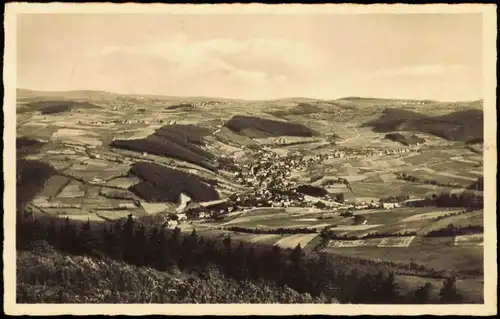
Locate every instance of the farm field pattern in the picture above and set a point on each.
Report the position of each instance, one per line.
(97, 181)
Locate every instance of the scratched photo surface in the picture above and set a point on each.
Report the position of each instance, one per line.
(257, 158)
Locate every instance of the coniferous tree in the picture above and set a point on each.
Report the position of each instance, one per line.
(349, 286)
(390, 290)
(53, 233)
(35, 231)
(127, 238)
(153, 247)
(252, 263)
(422, 294)
(69, 237)
(174, 244)
(104, 240)
(277, 266)
(296, 273)
(188, 251)
(227, 254)
(210, 252)
(164, 255)
(86, 243)
(140, 247)
(449, 293)
(239, 266)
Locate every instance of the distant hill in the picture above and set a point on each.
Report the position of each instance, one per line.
(53, 107)
(256, 127)
(300, 109)
(404, 139)
(182, 106)
(478, 185)
(31, 176)
(164, 184)
(26, 141)
(178, 141)
(31, 95)
(456, 126)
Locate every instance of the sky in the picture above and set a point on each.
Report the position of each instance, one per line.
(411, 56)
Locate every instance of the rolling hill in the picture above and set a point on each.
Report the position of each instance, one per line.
(164, 184)
(256, 127)
(178, 141)
(403, 139)
(56, 106)
(456, 126)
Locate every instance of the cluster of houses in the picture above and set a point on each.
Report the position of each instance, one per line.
(208, 103)
(129, 121)
(397, 151)
(270, 184)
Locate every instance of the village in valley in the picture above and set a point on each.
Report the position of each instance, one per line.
(344, 189)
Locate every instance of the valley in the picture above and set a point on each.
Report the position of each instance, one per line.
(315, 173)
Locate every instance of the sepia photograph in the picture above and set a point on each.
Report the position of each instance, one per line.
(250, 159)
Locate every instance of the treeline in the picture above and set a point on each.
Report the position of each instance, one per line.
(26, 141)
(280, 231)
(445, 199)
(46, 275)
(53, 107)
(164, 184)
(266, 127)
(330, 234)
(452, 214)
(405, 140)
(477, 185)
(412, 178)
(164, 249)
(182, 142)
(394, 199)
(452, 230)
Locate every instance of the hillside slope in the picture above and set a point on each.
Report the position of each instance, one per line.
(456, 126)
(161, 183)
(46, 275)
(181, 142)
(256, 127)
(56, 106)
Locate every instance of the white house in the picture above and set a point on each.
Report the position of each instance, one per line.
(389, 205)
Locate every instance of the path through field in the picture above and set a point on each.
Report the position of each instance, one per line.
(293, 240)
(350, 138)
(430, 170)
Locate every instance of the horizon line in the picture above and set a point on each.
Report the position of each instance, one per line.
(247, 99)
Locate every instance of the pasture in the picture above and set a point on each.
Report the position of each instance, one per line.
(442, 177)
(462, 259)
(367, 189)
(112, 215)
(471, 289)
(400, 242)
(292, 241)
(72, 190)
(461, 220)
(428, 156)
(53, 186)
(466, 240)
(456, 167)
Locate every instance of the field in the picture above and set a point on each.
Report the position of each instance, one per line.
(111, 158)
(471, 289)
(294, 240)
(436, 252)
(461, 259)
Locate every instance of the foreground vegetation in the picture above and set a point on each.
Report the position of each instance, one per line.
(128, 257)
(46, 275)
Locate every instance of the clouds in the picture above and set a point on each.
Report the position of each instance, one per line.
(253, 56)
(261, 66)
(420, 70)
